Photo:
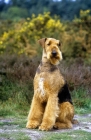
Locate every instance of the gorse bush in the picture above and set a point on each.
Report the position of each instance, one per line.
(76, 37)
(20, 38)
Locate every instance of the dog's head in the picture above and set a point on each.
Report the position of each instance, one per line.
(51, 50)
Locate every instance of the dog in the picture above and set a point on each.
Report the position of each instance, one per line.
(51, 106)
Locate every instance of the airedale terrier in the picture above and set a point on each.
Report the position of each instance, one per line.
(51, 105)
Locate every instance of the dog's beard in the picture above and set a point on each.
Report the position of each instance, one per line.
(55, 60)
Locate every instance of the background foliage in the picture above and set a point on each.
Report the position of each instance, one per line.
(21, 37)
(21, 26)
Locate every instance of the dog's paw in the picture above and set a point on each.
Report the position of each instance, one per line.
(32, 125)
(45, 127)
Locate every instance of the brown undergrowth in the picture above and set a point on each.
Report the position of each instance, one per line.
(77, 73)
(19, 72)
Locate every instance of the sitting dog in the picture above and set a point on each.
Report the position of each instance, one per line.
(51, 105)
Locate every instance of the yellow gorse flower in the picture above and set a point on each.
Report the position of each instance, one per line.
(31, 29)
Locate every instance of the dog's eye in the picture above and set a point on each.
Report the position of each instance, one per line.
(48, 44)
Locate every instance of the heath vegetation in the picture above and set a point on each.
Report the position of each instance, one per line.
(20, 55)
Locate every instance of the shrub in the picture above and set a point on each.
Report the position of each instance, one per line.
(20, 38)
(21, 68)
(77, 74)
(76, 37)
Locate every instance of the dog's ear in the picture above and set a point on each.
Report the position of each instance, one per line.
(42, 41)
(60, 43)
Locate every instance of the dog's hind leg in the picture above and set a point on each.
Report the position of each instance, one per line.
(64, 121)
(63, 125)
(35, 114)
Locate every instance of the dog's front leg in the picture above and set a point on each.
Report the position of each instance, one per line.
(35, 114)
(51, 113)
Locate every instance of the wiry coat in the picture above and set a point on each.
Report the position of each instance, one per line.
(51, 105)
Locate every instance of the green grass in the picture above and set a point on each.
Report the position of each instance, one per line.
(81, 100)
(15, 136)
(19, 92)
(80, 135)
(79, 110)
(13, 120)
(11, 108)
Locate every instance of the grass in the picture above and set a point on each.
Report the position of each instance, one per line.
(14, 90)
(11, 108)
(13, 121)
(79, 110)
(15, 136)
(13, 129)
(81, 100)
(81, 135)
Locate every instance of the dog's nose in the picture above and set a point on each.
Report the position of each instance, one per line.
(54, 53)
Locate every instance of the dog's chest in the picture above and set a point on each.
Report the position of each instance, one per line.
(40, 91)
(41, 87)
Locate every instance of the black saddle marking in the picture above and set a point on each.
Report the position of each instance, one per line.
(64, 95)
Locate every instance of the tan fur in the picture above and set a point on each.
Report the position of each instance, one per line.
(45, 111)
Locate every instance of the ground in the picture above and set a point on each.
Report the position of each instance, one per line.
(14, 129)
